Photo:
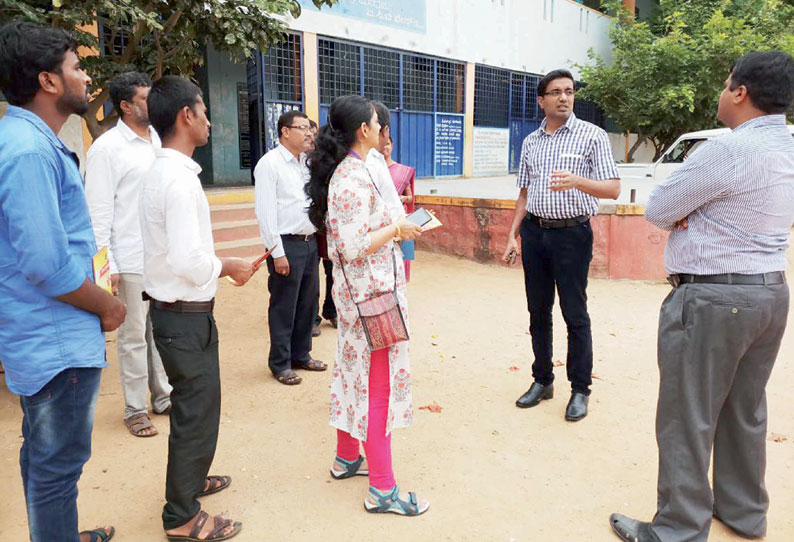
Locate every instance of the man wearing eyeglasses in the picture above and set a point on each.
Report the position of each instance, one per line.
(566, 165)
(281, 209)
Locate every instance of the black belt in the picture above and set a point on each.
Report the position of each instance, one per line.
(558, 222)
(180, 306)
(293, 237)
(760, 279)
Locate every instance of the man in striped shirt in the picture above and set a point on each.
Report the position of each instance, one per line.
(566, 165)
(730, 208)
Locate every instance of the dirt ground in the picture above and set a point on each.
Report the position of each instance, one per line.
(492, 472)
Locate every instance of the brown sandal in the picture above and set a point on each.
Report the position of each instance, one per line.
(288, 378)
(311, 365)
(139, 423)
(217, 483)
(214, 536)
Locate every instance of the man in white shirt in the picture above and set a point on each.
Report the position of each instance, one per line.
(377, 167)
(115, 168)
(181, 277)
(282, 211)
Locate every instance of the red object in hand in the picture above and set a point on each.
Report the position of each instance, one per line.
(263, 257)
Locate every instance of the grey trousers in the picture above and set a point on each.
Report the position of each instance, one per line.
(140, 366)
(717, 346)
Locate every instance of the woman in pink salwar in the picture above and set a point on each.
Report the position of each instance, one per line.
(403, 177)
(370, 390)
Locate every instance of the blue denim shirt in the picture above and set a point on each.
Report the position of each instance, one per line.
(46, 250)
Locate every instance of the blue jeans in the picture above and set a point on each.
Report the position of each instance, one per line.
(56, 427)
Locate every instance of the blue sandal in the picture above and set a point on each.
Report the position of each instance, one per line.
(391, 502)
(351, 468)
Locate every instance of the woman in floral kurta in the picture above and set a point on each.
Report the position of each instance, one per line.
(354, 209)
(370, 390)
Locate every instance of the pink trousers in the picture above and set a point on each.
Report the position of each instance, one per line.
(377, 447)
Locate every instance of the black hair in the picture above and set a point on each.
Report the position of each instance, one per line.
(169, 95)
(345, 117)
(287, 118)
(26, 50)
(384, 117)
(769, 79)
(551, 76)
(124, 86)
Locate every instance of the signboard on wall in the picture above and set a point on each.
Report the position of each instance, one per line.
(448, 145)
(243, 126)
(491, 151)
(408, 15)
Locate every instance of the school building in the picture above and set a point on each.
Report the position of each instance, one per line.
(459, 76)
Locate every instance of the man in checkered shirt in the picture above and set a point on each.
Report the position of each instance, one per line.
(566, 165)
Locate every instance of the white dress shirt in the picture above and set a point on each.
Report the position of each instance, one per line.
(379, 170)
(281, 201)
(115, 167)
(179, 254)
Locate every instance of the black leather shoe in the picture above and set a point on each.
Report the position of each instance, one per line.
(632, 530)
(577, 407)
(535, 394)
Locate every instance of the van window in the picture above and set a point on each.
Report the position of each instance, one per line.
(681, 151)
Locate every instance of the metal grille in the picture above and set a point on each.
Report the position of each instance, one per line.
(524, 96)
(491, 96)
(382, 76)
(449, 87)
(589, 111)
(282, 70)
(339, 70)
(417, 83)
(114, 42)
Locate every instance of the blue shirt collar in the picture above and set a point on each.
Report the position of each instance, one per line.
(35, 120)
(764, 120)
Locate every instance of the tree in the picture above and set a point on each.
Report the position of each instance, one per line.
(667, 74)
(156, 36)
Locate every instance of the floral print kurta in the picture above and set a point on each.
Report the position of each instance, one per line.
(354, 209)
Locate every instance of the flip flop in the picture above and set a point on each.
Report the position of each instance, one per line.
(214, 535)
(311, 365)
(98, 535)
(224, 482)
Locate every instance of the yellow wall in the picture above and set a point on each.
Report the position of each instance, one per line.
(311, 84)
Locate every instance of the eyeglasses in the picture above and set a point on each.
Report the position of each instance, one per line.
(557, 93)
(301, 128)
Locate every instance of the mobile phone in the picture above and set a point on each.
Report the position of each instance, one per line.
(420, 217)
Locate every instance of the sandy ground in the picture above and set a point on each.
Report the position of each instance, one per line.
(491, 471)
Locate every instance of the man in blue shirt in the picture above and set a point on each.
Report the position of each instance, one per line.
(51, 313)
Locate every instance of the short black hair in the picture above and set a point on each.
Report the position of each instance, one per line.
(26, 50)
(769, 79)
(286, 119)
(124, 86)
(551, 76)
(169, 95)
(384, 117)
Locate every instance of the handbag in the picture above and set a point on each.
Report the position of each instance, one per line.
(381, 316)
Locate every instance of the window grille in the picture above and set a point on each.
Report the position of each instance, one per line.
(589, 111)
(449, 88)
(382, 76)
(417, 83)
(491, 96)
(282, 70)
(339, 70)
(524, 96)
(113, 42)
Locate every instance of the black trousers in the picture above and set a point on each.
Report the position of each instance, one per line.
(293, 305)
(188, 346)
(329, 308)
(559, 258)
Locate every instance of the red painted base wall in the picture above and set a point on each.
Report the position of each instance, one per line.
(625, 246)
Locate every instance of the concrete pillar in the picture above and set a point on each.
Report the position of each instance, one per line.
(311, 83)
(468, 122)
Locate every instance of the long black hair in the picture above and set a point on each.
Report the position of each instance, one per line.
(345, 117)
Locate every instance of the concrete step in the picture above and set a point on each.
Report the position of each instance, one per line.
(234, 226)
